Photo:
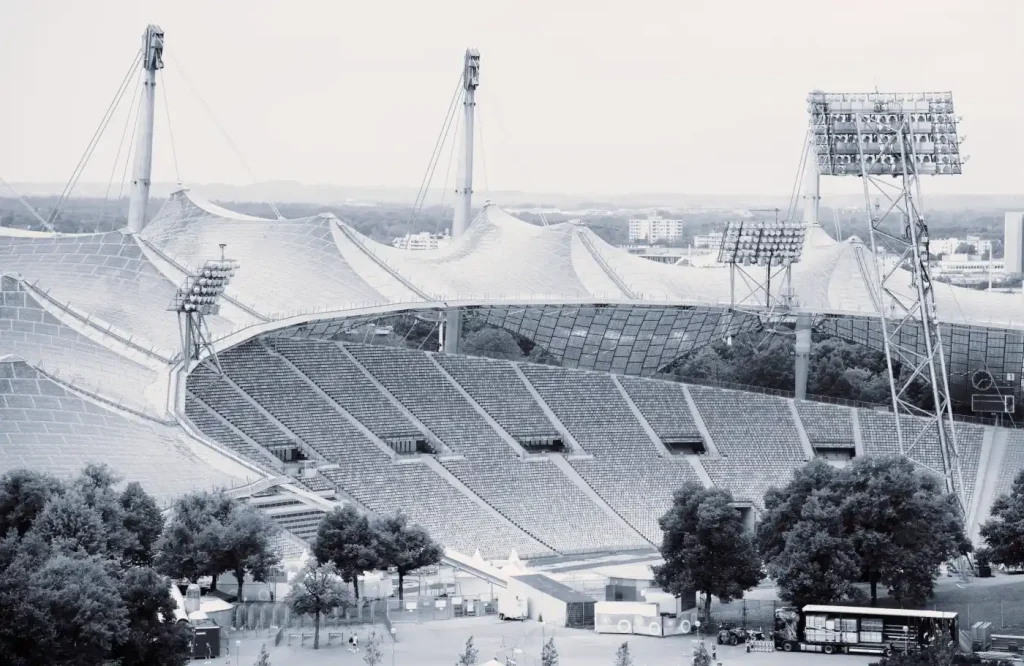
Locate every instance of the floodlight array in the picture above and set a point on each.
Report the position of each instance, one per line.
(200, 293)
(762, 243)
(863, 133)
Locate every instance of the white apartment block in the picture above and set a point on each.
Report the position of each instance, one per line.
(655, 229)
(711, 241)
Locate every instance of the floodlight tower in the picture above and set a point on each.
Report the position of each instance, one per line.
(142, 170)
(902, 136)
(774, 245)
(198, 297)
(464, 188)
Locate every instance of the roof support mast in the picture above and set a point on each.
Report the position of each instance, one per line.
(464, 187)
(142, 171)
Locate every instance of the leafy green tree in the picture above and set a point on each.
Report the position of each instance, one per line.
(96, 485)
(192, 538)
(26, 629)
(264, 658)
(143, 523)
(902, 523)
(246, 545)
(346, 538)
(23, 494)
(84, 607)
(68, 524)
(803, 541)
(469, 655)
(154, 637)
(819, 563)
(317, 590)
(1004, 530)
(622, 655)
(405, 547)
(549, 653)
(706, 547)
(492, 343)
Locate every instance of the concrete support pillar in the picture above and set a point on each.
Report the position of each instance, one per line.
(803, 354)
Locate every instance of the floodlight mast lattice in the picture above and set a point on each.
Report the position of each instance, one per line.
(902, 136)
(774, 245)
(197, 298)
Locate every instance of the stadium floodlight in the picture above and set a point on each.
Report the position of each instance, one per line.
(774, 245)
(887, 137)
(198, 298)
(854, 134)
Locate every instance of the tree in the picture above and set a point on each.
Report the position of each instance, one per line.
(246, 546)
(705, 547)
(492, 343)
(405, 547)
(96, 486)
(192, 538)
(23, 494)
(549, 654)
(154, 637)
(84, 607)
(264, 658)
(70, 525)
(346, 538)
(143, 524)
(1004, 530)
(66, 597)
(902, 540)
(622, 655)
(803, 541)
(316, 591)
(372, 656)
(469, 655)
(819, 563)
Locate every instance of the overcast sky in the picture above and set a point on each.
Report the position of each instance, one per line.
(576, 96)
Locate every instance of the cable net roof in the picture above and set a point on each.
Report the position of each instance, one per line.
(320, 267)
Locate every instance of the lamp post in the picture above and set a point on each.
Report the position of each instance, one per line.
(393, 632)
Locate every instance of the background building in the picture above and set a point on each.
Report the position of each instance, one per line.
(711, 241)
(424, 240)
(655, 229)
(1013, 243)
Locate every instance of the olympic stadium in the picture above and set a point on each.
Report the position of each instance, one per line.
(281, 406)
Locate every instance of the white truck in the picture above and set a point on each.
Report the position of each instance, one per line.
(512, 607)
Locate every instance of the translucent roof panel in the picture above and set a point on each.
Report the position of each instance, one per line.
(499, 257)
(287, 266)
(44, 427)
(33, 334)
(105, 277)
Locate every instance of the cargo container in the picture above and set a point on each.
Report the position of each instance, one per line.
(852, 630)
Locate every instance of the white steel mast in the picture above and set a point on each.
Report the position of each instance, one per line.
(142, 171)
(464, 183)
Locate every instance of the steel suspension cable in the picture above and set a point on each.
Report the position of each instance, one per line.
(170, 132)
(80, 167)
(224, 133)
(128, 158)
(421, 193)
(447, 174)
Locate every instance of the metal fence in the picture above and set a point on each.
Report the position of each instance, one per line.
(260, 616)
(426, 608)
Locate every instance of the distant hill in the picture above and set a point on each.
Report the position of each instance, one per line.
(329, 195)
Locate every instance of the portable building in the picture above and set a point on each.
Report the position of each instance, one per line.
(552, 602)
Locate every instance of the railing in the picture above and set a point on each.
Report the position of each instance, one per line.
(845, 402)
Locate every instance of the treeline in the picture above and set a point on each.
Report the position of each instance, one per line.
(883, 521)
